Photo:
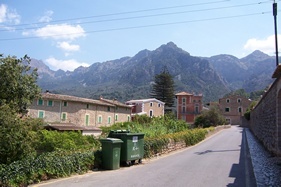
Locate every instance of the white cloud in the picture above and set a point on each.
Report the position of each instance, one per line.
(266, 45)
(8, 15)
(67, 46)
(47, 16)
(65, 65)
(58, 32)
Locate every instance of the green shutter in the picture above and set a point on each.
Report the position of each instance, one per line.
(63, 116)
(41, 114)
(87, 119)
(40, 102)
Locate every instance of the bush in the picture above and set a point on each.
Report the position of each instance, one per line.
(209, 118)
(151, 127)
(155, 145)
(46, 166)
(49, 141)
(17, 139)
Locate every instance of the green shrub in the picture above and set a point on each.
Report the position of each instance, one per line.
(53, 140)
(209, 118)
(46, 166)
(155, 145)
(17, 138)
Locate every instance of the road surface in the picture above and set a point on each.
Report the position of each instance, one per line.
(221, 160)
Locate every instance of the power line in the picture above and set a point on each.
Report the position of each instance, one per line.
(155, 15)
(143, 26)
(122, 13)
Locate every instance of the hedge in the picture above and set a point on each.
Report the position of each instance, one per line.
(152, 146)
(46, 166)
(65, 163)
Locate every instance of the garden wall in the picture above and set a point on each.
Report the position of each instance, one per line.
(265, 118)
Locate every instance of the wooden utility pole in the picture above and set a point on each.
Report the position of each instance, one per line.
(275, 29)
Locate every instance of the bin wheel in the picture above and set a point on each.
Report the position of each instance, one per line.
(140, 161)
(128, 163)
(133, 162)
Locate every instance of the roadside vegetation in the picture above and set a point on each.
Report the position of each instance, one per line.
(30, 154)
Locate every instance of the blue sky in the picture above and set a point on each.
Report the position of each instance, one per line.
(66, 34)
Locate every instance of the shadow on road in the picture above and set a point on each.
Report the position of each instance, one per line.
(243, 171)
(215, 151)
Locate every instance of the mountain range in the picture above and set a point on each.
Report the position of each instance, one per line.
(131, 77)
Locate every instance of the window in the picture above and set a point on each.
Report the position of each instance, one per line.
(194, 101)
(116, 117)
(183, 100)
(151, 104)
(159, 105)
(196, 109)
(63, 116)
(239, 100)
(228, 121)
(87, 106)
(227, 100)
(183, 109)
(65, 103)
(87, 119)
(116, 108)
(239, 109)
(108, 108)
(150, 113)
(109, 120)
(100, 119)
(41, 114)
(50, 103)
(40, 102)
(129, 118)
(227, 109)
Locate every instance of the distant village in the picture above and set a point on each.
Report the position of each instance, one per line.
(65, 112)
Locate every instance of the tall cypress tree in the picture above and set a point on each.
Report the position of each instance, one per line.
(163, 88)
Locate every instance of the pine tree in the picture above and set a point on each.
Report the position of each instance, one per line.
(163, 88)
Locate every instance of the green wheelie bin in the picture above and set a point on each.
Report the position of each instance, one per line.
(111, 150)
(132, 148)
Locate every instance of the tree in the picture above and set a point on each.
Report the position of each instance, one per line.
(17, 139)
(18, 88)
(163, 88)
(18, 85)
(208, 118)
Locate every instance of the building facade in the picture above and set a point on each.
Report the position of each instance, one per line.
(150, 107)
(75, 111)
(233, 108)
(188, 106)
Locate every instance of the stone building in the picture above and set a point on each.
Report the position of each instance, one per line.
(233, 108)
(150, 107)
(64, 112)
(188, 106)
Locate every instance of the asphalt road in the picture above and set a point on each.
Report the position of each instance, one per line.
(221, 160)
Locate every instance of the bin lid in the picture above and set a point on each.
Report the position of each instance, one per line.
(111, 140)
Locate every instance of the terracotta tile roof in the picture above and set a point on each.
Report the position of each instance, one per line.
(70, 127)
(183, 93)
(114, 102)
(73, 98)
(145, 101)
(277, 72)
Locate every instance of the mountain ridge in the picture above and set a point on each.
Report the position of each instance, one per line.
(131, 77)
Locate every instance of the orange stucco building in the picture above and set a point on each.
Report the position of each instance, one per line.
(188, 106)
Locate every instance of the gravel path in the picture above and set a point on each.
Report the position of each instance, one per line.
(267, 169)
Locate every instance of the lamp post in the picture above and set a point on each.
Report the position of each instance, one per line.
(275, 29)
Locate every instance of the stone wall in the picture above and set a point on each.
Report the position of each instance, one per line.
(264, 119)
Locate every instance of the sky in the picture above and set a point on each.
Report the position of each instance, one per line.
(66, 34)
